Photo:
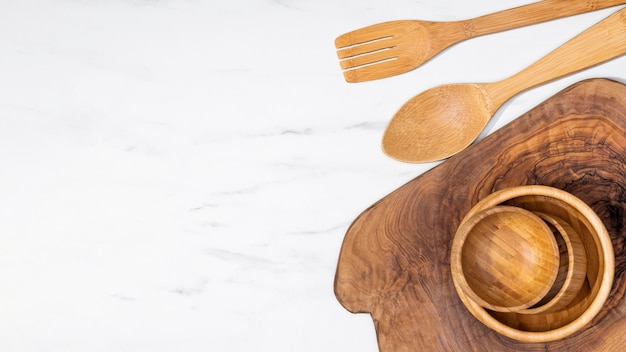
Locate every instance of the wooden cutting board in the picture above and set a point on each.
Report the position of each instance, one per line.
(395, 259)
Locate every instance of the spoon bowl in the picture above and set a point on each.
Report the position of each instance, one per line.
(462, 111)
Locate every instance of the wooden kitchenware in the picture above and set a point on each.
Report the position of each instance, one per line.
(395, 259)
(584, 304)
(446, 119)
(396, 47)
(572, 270)
(505, 258)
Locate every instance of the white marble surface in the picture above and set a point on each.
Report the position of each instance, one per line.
(178, 175)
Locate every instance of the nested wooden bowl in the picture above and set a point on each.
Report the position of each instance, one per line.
(505, 258)
(572, 269)
(559, 322)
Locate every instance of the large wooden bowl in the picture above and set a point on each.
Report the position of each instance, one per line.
(549, 326)
(394, 263)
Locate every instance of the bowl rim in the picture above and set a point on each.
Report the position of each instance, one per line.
(606, 255)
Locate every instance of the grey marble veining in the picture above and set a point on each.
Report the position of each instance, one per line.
(178, 175)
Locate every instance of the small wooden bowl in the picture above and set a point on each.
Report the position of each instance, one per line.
(505, 258)
(572, 271)
(550, 326)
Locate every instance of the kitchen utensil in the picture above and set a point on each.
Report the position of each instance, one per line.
(446, 119)
(505, 258)
(395, 47)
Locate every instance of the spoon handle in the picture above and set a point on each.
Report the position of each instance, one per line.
(537, 12)
(601, 42)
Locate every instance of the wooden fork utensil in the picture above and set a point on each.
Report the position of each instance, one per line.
(392, 48)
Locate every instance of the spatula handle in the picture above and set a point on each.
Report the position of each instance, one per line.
(601, 42)
(537, 12)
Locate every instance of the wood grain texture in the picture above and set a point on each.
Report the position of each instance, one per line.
(572, 268)
(443, 120)
(395, 260)
(552, 326)
(395, 47)
(505, 258)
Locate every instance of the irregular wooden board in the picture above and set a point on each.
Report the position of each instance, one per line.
(395, 259)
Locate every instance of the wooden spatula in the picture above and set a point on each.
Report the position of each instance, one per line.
(391, 48)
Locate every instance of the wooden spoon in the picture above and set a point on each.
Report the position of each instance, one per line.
(395, 47)
(444, 120)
